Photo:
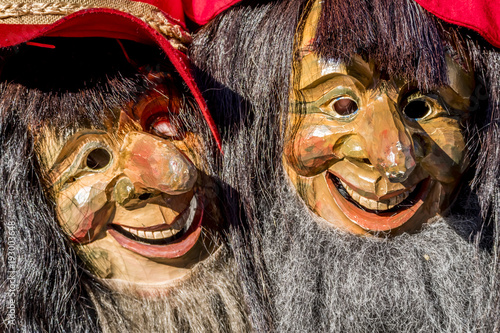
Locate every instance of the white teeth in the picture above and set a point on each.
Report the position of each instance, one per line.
(377, 205)
(349, 190)
(381, 205)
(366, 202)
(183, 222)
(169, 233)
(355, 196)
(159, 234)
(187, 216)
(193, 207)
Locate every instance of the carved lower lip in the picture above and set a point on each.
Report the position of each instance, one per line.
(170, 246)
(374, 220)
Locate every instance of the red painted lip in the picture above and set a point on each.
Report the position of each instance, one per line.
(169, 251)
(383, 221)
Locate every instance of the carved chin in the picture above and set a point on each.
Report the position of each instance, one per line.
(379, 215)
(163, 241)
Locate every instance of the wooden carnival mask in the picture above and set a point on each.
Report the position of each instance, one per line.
(370, 153)
(134, 198)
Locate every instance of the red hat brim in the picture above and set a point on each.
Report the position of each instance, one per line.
(110, 23)
(482, 16)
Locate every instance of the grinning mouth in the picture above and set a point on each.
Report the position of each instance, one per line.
(381, 215)
(163, 240)
(149, 237)
(162, 233)
(404, 199)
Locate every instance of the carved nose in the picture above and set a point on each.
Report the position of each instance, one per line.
(390, 146)
(154, 164)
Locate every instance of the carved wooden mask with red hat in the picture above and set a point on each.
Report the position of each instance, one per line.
(132, 195)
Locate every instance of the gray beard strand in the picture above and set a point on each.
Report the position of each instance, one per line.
(327, 280)
(208, 301)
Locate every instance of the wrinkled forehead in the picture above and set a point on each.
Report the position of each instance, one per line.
(310, 65)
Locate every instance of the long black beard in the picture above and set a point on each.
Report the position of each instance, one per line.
(324, 280)
(208, 301)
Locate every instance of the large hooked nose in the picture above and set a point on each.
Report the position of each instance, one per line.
(389, 144)
(153, 164)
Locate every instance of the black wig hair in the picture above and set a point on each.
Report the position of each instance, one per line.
(245, 56)
(244, 59)
(76, 84)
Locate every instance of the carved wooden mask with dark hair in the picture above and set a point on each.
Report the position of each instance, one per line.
(132, 194)
(369, 153)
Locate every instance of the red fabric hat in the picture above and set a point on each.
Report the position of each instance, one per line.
(124, 19)
(482, 16)
(198, 11)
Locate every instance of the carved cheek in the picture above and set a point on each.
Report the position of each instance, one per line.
(311, 150)
(83, 207)
(445, 159)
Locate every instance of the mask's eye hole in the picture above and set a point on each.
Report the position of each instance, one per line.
(417, 109)
(345, 106)
(98, 159)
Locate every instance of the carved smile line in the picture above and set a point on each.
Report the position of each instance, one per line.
(173, 243)
(378, 220)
